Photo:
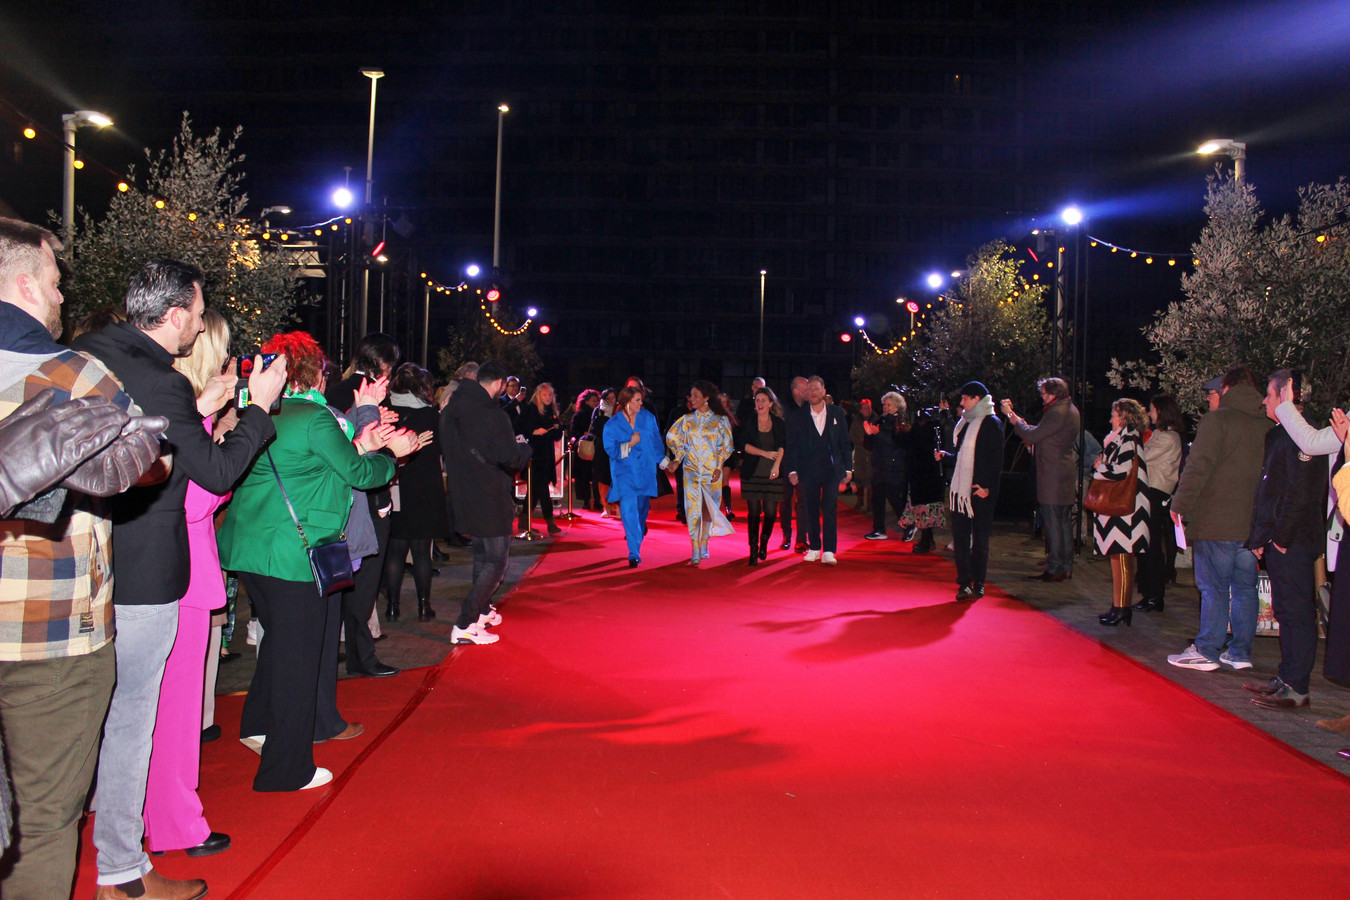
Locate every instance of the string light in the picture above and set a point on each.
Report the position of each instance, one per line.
(1135, 254)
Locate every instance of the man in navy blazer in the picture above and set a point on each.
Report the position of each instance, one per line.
(819, 458)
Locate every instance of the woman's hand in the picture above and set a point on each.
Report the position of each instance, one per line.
(370, 393)
(869, 428)
(388, 416)
(219, 391)
(425, 438)
(539, 431)
(1340, 424)
(635, 439)
(375, 436)
(403, 443)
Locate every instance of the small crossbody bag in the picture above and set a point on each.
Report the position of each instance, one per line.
(329, 562)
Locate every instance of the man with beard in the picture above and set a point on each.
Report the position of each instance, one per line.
(164, 307)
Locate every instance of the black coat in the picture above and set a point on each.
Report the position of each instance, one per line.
(150, 539)
(890, 452)
(1291, 498)
(544, 462)
(421, 493)
(988, 454)
(925, 472)
(482, 458)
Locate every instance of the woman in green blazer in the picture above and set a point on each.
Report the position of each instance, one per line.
(319, 465)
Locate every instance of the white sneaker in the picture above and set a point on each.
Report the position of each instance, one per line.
(827, 558)
(1192, 659)
(321, 777)
(811, 555)
(472, 635)
(254, 742)
(490, 618)
(1235, 663)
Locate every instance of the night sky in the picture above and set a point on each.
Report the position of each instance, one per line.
(1141, 84)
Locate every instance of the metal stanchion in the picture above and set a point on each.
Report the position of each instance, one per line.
(529, 534)
(568, 486)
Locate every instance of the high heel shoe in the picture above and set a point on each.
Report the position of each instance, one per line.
(424, 611)
(1150, 604)
(391, 610)
(1116, 615)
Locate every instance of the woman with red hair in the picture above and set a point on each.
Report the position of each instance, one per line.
(318, 459)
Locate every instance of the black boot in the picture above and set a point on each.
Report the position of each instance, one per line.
(391, 610)
(1116, 615)
(765, 536)
(925, 542)
(424, 611)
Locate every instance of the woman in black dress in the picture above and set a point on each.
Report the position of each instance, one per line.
(578, 428)
(539, 424)
(762, 439)
(600, 465)
(419, 513)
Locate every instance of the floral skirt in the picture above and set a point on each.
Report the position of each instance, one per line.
(925, 515)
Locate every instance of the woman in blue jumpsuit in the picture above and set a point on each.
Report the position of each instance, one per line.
(634, 445)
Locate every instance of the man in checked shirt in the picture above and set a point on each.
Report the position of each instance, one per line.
(56, 616)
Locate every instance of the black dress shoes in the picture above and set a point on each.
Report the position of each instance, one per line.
(786, 545)
(1116, 615)
(210, 733)
(215, 843)
(379, 670)
(1150, 604)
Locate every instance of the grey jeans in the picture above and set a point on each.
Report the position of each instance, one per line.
(145, 635)
(1058, 524)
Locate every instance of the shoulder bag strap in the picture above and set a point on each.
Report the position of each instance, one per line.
(294, 518)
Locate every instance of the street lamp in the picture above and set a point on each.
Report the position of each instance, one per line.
(69, 123)
(502, 110)
(935, 281)
(1071, 215)
(1229, 147)
(374, 75)
(759, 365)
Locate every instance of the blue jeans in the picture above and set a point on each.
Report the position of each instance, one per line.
(145, 635)
(1225, 573)
(490, 556)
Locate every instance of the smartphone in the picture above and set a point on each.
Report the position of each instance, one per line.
(245, 364)
(244, 367)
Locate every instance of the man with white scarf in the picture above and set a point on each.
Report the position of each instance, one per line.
(974, 489)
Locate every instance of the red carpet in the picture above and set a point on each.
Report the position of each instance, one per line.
(783, 731)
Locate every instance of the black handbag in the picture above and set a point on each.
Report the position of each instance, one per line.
(330, 562)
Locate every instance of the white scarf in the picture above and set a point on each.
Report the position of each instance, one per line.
(959, 496)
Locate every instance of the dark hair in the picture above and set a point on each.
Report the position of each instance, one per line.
(709, 390)
(1169, 413)
(775, 408)
(98, 319)
(1281, 377)
(627, 394)
(586, 395)
(639, 382)
(1236, 375)
(374, 354)
(491, 371)
(161, 285)
(1056, 387)
(411, 378)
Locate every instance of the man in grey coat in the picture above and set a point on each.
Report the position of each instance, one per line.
(1054, 441)
(1214, 503)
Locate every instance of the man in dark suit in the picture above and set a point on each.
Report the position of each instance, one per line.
(482, 457)
(164, 308)
(819, 458)
(974, 489)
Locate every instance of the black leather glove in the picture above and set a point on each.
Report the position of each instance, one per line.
(122, 463)
(40, 444)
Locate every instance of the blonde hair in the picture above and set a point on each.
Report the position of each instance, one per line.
(208, 354)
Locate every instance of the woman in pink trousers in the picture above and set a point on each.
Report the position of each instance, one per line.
(173, 813)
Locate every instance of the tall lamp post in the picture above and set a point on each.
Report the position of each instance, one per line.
(1229, 147)
(374, 75)
(502, 110)
(69, 123)
(759, 365)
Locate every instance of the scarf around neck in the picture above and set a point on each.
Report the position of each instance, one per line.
(960, 493)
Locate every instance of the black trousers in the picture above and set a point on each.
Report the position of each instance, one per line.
(1336, 665)
(883, 492)
(971, 537)
(1155, 566)
(283, 695)
(1292, 599)
(359, 602)
(792, 504)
